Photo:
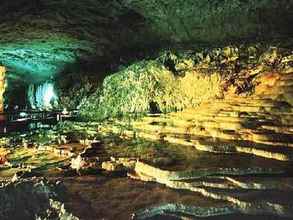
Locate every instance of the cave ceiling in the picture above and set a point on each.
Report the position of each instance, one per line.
(41, 38)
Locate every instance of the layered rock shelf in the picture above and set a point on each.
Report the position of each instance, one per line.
(213, 185)
(260, 124)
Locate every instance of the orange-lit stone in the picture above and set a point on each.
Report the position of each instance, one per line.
(2, 87)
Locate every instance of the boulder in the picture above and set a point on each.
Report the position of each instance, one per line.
(119, 165)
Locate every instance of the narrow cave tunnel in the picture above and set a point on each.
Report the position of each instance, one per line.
(146, 109)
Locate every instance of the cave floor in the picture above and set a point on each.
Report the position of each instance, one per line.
(93, 193)
(98, 197)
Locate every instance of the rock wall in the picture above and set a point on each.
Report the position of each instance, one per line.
(257, 121)
(32, 199)
(43, 39)
(214, 21)
(152, 86)
(2, 87)
(176, 81)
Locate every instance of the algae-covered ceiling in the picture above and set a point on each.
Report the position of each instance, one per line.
(40, 38)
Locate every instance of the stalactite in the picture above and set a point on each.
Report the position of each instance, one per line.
(42, 96)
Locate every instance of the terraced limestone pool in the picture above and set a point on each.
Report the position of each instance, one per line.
(262, 187)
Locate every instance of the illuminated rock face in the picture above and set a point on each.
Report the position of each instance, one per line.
(150, 86)
(254, 115)
(259, 124)
(36, 61)
(42, 96)
(175, 82)
(52, 35)
(2, 87)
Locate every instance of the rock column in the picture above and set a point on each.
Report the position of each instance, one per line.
(2, 87)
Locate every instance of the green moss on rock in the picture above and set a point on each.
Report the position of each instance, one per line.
(150, 86)
(180, 80)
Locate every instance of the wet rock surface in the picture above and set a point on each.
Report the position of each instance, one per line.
(258, 124)
(241, 201)
(32, 199)
(213, 184)
(227, 156)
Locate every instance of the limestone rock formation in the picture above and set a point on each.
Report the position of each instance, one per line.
(119, 164)
(32, 199)
(203, 182)
(44, 39)
(176, 81)
(254, 116)
(149, 86)
(194, 95)
(2, 87)
(213, 21)
(3, 156)
(41, 40)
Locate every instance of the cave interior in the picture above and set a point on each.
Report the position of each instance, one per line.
(146, 109)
